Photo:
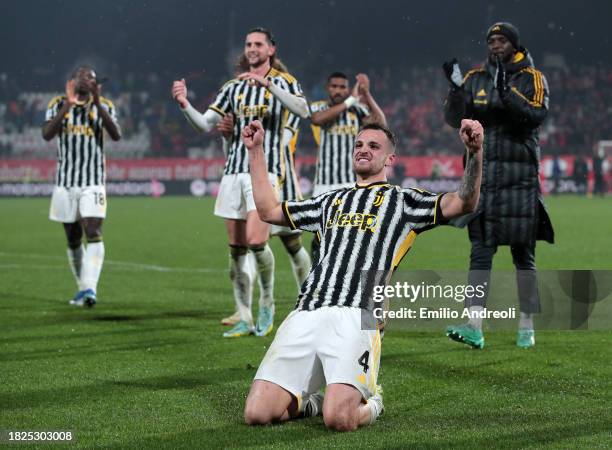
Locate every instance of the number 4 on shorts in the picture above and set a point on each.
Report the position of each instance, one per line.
(363, 361)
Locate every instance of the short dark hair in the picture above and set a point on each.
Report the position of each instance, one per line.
(74, 72)
(337, 75)
(380, 127)
(265, 31)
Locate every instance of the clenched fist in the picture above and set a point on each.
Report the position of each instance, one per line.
(472, 135)
(253, 135)
(179, 92)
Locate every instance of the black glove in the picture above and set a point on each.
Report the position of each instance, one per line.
(453, 73)
(500, 80)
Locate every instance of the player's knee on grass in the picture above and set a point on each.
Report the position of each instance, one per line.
(93, 229)
(340, 407)
(341, 419)
(292, 243)
(267, 403)
(74, 234)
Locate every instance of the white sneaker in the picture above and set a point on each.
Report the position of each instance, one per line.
(376, 404)
(231, 320)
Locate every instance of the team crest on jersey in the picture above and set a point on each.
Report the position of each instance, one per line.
(380, 198)
(352, 115)
(338, 202)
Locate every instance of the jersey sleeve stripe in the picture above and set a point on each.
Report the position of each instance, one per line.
(403, 248)
(288, 216)
(217, 110)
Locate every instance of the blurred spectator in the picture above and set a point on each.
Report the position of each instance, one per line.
(600, 170)
(581, 171)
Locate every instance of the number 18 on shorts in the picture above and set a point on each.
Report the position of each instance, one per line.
(71, 204)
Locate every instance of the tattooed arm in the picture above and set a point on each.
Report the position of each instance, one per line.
(465, 200)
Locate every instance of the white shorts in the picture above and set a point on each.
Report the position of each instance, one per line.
(68, 205)
(312, 349)
(235, 197)
(323, 188)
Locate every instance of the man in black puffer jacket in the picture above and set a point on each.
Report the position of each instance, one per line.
(510, 98)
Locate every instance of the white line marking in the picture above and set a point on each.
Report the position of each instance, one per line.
(128, 265)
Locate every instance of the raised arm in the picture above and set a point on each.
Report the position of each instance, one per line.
(376, 113)
(266, 201)
(110, 125)
(526, 97)
(201, 122)
(458, 104)
(330, 114)
(465, 200)
(294, 103)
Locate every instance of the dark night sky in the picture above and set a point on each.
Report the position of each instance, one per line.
(177, 37)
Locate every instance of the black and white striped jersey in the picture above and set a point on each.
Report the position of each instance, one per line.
(290, 185)
(248, 101)
(364, 228)
(336, 140)
(80, 144)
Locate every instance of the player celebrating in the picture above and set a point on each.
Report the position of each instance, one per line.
(335, 123)
(367, 227)
(269, 95)
(78, 118)
(289, 190)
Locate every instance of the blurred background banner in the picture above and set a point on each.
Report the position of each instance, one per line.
(32, 177)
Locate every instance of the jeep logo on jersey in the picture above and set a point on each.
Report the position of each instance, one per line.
(350, 130)
(253, 111)
(362, 221)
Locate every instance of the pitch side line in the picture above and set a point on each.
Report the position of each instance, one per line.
(119, 264)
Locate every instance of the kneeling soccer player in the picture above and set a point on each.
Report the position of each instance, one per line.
(366, 227)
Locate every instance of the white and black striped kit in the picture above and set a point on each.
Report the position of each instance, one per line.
(80, 147)
(364, 228)
(248, 101)
(336, 141)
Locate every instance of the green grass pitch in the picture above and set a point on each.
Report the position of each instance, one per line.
(147, 368)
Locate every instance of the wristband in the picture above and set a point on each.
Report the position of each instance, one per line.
(350, 101)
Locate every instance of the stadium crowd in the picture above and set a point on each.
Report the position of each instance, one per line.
(411, 97)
